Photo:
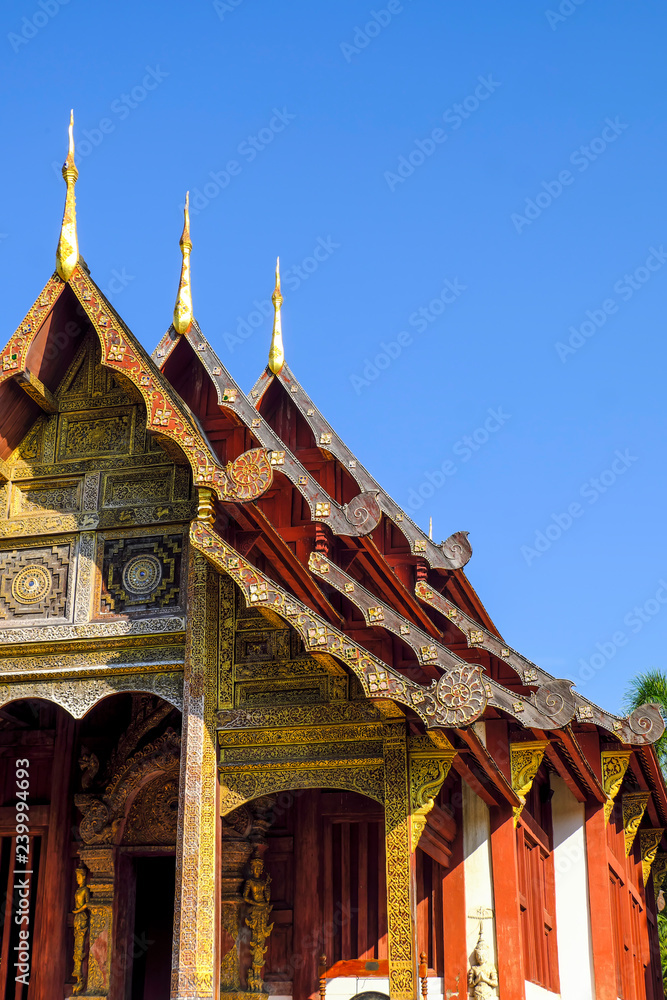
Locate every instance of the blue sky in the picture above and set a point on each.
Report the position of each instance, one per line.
(468, 202)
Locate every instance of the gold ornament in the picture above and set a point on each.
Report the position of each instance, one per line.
(634, 806)
(81, 923)
(614, 765)
(276, 351)
(428, 771)
(67, 254)
(659, 870)
(649, 842)
(525, 760)
(257, 896)
(183, 314)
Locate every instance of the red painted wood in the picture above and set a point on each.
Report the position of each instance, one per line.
(50, 976)
(454, 900)
(346, 916)
(359, 967)
(307, 899)
(508, 919)
(602, 919)
(364, 951)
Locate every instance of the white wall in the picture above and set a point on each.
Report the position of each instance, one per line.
(575, 956)
(535, 992)
(477, 867)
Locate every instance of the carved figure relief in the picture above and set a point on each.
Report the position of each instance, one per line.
(81, 925)
(257, 896)
(483, 975)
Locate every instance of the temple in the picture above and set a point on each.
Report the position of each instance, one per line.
(259, 735)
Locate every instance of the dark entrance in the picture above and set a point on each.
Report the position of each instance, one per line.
(153, 928)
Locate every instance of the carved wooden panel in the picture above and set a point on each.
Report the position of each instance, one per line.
(140, 572)
(153, 815)
(89, 434)
(34, 582)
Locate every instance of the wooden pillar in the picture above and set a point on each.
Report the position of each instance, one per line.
(454, 909)
(195, 973)
(308, 923)
(400, 864)
(504, 860)
(50, 975)
(602, 934)
(505, 865)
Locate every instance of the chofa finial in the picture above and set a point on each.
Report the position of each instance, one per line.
(183, 308)
(67, 254)
(276, 352)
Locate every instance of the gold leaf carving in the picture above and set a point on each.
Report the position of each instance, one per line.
(525, 760)
(634, 806)
(614, 765)
(649, 842)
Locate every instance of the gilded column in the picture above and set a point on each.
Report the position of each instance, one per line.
(194, 957)
(401, 910)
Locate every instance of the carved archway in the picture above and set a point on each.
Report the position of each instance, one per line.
(241, 787)
(80, 696)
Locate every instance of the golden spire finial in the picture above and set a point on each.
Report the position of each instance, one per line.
(276, 352)
(67, 254)
(183, 308)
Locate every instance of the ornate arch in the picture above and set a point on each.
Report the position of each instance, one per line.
(78, 696)
(241, 786)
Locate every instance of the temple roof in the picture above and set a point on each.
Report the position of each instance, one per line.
(302, 527)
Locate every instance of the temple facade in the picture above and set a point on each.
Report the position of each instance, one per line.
(260, 737)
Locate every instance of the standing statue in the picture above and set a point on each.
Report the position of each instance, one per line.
(81, 924)
(257, 896)
(483, 976)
